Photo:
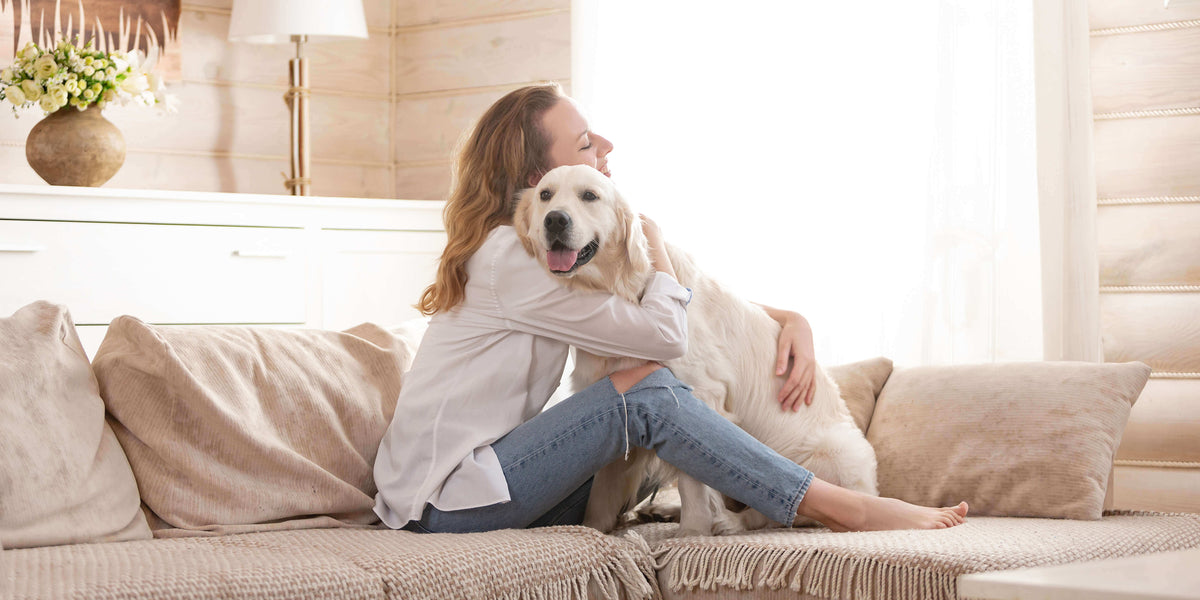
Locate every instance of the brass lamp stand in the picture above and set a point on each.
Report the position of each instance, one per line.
(298, 22)
(300, 183)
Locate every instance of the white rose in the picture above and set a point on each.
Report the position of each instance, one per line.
(6, 76)
(48, 104)
(60, 95)
(88, 71)
(45, 67)
(14, 94)
(135, 84)
(33, 91)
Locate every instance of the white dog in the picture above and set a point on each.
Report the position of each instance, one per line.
(575, 215)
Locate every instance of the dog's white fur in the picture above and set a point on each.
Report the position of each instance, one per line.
(730, 361)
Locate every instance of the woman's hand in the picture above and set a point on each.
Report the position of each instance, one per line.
(796, 347)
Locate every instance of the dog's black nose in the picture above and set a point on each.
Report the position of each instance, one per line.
(557, 221)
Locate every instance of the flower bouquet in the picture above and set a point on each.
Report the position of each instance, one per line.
(78, 76)
(78, 147)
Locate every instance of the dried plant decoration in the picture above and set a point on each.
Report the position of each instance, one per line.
(151, 26)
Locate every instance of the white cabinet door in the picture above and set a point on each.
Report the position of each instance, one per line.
(157, 273)
(376, 276)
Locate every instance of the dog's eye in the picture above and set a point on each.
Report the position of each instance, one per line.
(546, 195)
(588, 196)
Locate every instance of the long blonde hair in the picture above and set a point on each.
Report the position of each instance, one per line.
(506, 149)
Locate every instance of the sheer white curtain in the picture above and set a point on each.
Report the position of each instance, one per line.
(869, 164)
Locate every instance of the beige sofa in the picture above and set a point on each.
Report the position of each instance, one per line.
(235, 462)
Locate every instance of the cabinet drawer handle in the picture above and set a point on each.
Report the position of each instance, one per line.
(20, 248)
(259, 254)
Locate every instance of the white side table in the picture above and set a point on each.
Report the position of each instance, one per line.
(1164, 575)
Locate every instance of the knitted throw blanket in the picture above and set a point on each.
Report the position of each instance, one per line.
(557, 563)
(896, 565)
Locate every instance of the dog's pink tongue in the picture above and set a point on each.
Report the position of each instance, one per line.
(561, 260)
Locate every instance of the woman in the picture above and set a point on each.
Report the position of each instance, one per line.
(469, 447)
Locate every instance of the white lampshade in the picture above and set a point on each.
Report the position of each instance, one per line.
(276, 21)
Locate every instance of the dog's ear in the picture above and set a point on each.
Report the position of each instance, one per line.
(521, 219)
(635, 241)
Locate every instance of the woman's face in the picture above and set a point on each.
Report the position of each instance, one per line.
(571, 142)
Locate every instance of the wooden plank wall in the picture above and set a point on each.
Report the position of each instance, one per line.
(1145, 68)
(386, 111)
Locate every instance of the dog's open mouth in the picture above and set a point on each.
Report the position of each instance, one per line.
(562, 259)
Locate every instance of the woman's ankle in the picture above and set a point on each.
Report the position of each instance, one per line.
(832, 506)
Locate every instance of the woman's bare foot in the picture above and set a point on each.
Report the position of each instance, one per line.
(841, 509)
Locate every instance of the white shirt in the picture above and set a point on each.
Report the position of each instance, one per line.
(491, 363)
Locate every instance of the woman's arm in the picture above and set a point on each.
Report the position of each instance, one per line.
(532, 300)
(796, 346)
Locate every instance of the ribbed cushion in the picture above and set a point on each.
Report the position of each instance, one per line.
(551, 564)
(230, 426)
(63, 476)
(859, 384)
(1032, 439)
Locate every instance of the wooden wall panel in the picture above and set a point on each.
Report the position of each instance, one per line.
(204, 173)
(16, 169)
(1148, 157)
(255, 121)
(1145, 71)
(488, 54)
(423, 12)
(1161, 489)
(1106, 14)
(1145, 77)
(352, 66)
(429, 128)
(1150, 244)
(1159, 329)
(423, 182)
(1164, 424)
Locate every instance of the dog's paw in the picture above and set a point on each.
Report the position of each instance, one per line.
(600, 525)
(661, 513)
(751, 520)
(683, 532)
(727, 524)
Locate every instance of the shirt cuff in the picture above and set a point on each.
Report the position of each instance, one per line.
(666, 285)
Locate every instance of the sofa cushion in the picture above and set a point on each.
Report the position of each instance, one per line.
(552, 563)
(227, 426)
(860, 384)
(1018, 439)
(897, 565)
(63, 476)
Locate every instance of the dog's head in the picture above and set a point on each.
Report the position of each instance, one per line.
(579, 227)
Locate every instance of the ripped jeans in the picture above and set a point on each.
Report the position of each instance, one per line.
(549, 460)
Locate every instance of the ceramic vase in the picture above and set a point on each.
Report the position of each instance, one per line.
(75, 147)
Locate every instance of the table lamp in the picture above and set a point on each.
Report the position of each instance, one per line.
(299, 22)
